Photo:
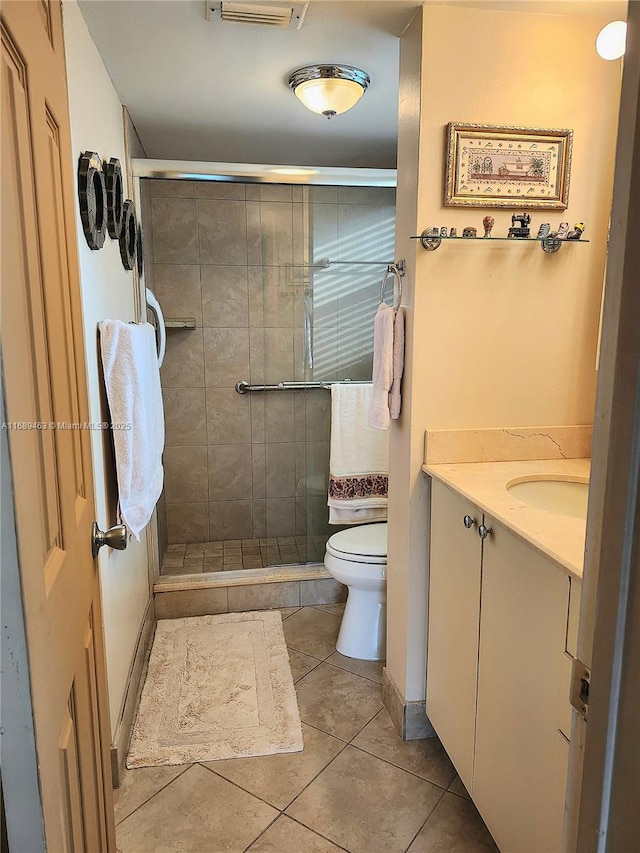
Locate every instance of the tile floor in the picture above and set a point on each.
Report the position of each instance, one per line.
(233, 554)
(355, 787)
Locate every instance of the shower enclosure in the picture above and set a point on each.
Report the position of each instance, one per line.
(260, 284)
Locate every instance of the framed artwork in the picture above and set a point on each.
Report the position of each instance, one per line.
(511, 167)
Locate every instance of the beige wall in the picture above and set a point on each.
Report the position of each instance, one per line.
(107, 292)
(500, 334)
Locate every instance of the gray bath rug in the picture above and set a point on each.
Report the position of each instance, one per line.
(217, 687)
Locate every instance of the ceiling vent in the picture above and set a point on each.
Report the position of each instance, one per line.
(290, 16)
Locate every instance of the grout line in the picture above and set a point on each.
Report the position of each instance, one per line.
(315, 831)
(435, 806)
(397, 766)
(155, 793)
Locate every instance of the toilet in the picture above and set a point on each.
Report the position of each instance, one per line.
(357, 557)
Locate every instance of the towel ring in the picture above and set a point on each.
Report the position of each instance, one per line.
(397, 272)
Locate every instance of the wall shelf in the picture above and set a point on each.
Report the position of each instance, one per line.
(180, 322)
(548, 244)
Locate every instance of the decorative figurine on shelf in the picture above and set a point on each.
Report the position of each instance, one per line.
(578, 228)
(563, 230)
(520, 232)
(453, 232)
(443, 231)
(470, 231)
(488, 222)
(543, 231)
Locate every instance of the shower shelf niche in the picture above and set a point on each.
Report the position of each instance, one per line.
(180, 322)
(550, 245)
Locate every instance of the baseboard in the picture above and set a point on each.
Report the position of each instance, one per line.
(409, 718)
(134, 686)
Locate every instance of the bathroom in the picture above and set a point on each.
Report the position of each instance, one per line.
(502, 339)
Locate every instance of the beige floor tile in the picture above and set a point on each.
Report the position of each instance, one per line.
(199, 811)
(456, 787)
(371, 669)
(365, 804)
(301, 664)
(425, 758)
(454, 827)
(287, 836)
(285, 612)
(336, 701)
(313, 632)
(335, 609)
(278, 779)
(137, 786)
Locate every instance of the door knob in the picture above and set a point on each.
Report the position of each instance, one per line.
(484, 531)
(114, 537)
(469, 522)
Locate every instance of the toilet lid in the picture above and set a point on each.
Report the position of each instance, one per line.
(365, 540)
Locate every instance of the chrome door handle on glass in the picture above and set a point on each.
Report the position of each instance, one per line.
(484, 531)
(114, 537)
(469, 522)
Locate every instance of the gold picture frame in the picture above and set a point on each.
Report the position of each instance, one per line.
(512, 167)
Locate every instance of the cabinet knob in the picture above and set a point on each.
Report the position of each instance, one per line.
(469, 522)
(484, 531)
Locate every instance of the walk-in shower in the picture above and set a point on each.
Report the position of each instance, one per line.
(261, 284)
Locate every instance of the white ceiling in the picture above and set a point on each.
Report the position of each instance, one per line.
(212, 91)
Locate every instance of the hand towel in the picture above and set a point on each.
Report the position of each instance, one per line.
(398, 364)
(358, 458)
(132, 380)
(382, 366)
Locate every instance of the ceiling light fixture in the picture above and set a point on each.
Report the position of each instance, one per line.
(611, 40)
(329, 89)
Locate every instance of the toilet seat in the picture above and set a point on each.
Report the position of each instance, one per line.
(366, 543)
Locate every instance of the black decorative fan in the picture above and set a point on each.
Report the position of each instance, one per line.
(92, 196)
(128, 235)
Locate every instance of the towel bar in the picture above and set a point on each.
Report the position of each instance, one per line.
(244, 387)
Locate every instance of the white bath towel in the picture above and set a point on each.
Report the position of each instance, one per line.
(358, 459)
(398, 364)
(382, 366)
(132, 380)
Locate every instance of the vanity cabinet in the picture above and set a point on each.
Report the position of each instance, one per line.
(498, 673)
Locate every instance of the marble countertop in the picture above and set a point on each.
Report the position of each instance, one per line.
(560, 537)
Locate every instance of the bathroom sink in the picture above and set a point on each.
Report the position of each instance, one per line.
(568, 497)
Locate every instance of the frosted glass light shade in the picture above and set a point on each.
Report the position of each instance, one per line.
(329, 89)
(611, 40)
(326, 95)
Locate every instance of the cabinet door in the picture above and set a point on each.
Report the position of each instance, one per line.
(454, 608)
(523, 692)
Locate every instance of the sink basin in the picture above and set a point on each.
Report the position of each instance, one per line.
(568, 497)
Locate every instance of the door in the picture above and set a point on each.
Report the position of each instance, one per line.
(520, 766)
(46, 408)
(454, 620)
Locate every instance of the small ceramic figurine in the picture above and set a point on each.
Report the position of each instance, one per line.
(443, 231)
(488, 222)
(453, 232)
(543, 231)
(563, 230)
(520, 232)
(470, 231)
(578, 228)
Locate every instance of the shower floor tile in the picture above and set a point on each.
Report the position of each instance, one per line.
(233, 554)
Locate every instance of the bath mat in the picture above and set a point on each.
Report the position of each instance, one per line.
(217, 687)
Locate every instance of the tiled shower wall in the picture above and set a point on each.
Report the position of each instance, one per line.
(235, 257)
